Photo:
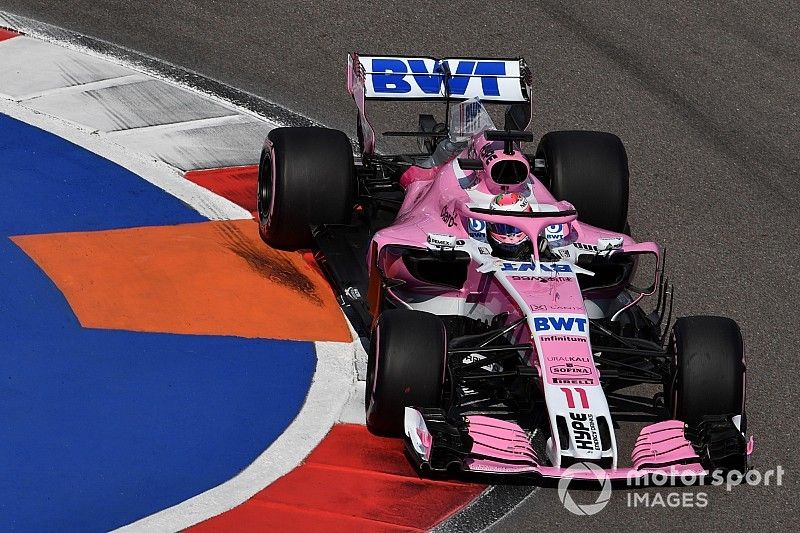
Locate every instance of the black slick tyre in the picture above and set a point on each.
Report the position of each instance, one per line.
(405, 368)
(306, 177)
(708, 369)
(589, 169)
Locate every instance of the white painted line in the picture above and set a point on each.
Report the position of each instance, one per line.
(331, 386)
(100, 84)
(179, 126)
(156, 172)
(30, 65)
(353, 411)
(223, 145)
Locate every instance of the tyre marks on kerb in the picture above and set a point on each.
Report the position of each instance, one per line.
(239, 185)
(208, 278)
(271, 264)
(31, 67)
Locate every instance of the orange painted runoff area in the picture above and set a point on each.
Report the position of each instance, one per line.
(237, 184)
(352, 481)
(208, 278)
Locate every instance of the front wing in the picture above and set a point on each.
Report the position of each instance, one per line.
(486, 445)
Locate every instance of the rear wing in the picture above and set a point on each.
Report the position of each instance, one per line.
(501, 81)
(427, 78)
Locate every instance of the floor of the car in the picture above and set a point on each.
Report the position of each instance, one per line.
(342, 255)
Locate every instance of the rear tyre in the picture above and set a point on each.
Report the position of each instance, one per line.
(306, 177)
(405, 368)
(589, 169)
(708, 369)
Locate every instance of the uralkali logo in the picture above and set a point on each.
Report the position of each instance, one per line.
(580, 470)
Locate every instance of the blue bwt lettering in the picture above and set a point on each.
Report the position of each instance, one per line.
(389, 76)
(391, 80)
(547, 323)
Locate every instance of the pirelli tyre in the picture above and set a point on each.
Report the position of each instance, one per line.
(405, 368)
(708, 369)
(589, 169)
(306, 177)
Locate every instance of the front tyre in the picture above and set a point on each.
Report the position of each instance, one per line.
(708, 369)
(306, 177)
(405, 368)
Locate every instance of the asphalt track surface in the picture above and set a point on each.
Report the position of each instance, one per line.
(704, 97)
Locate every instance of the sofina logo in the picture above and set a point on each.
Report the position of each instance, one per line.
(584, 471)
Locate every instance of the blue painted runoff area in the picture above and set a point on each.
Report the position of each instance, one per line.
(99, 428)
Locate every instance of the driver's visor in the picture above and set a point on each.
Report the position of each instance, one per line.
(504, 229)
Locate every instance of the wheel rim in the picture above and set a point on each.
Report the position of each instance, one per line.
(265, 190)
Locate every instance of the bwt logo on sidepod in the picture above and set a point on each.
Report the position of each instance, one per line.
(390, 76)
(559, 323)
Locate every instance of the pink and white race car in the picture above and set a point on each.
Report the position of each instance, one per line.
(497, 287)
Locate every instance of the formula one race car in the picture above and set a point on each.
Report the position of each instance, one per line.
(497, 287)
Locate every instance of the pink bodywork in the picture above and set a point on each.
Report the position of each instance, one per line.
(441, 201)
(436, 203)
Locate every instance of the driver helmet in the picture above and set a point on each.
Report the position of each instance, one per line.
(509, 242)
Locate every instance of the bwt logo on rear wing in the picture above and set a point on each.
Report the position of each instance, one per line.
(427, 78)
